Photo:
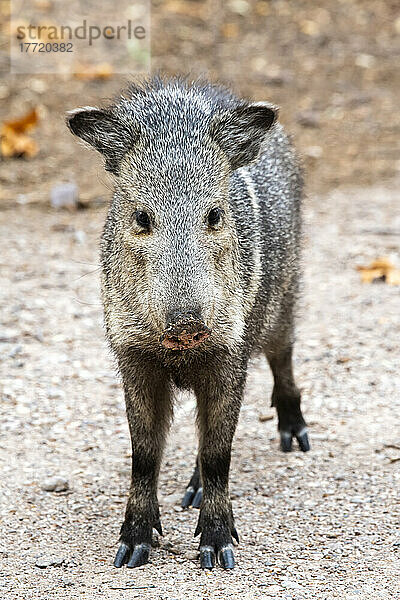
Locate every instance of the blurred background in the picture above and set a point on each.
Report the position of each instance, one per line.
(332, 67)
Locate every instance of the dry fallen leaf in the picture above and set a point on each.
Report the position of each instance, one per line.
(341, 360)
(187, 9)
(91, 72)
(263, 9)
(230, 30)
(380, 269)
(14, 140)
(263, 418)
(43, 5)
(309, 27)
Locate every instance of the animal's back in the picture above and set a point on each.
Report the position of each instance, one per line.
(266, 199)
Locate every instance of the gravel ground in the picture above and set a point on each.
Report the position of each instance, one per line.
(321, 525)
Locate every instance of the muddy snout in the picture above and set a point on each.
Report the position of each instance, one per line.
(184, 331)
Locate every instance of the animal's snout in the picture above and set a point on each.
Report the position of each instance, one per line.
(184, 330)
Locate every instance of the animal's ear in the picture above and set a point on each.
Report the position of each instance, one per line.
(240, 132)
(104, 131)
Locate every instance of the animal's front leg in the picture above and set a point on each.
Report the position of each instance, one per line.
(148, 408)
(218, 411)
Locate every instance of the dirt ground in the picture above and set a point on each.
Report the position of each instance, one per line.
(322, 525)
(319, 525)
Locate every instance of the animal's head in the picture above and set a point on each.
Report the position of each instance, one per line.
(174, 247)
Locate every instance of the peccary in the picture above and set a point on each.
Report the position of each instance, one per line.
(200, 269)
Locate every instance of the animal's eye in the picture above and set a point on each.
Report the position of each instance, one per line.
(215, 216)
(142, 219)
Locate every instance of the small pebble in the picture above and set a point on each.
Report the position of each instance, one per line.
(49, 561)
(308, 119)
(54, 393)
(313, 151)
(273, 589)
(357, 500)
(292, 585)
(9, 335)
(55, 484)
(64, 195)
(172, 499)
(79, 236)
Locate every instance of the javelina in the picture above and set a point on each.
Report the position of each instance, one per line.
(200, 262)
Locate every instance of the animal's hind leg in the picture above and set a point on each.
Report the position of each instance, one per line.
(194, 490)
(286, 398)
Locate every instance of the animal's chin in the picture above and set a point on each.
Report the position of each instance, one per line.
(185, 341)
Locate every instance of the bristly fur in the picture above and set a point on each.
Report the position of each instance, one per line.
(178, 149)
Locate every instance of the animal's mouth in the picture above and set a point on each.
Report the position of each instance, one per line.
(186, 335)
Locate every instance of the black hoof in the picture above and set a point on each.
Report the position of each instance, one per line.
(226, 557)
(188, 497)
(198, 498)
(207, 557)
(135, 541)
(301, 437)
(286, 441)
(139, 556)
(216, 542)
(194, 491)
(192, 497)
(122, 555)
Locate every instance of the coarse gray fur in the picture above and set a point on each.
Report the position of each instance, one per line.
(178, 150)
